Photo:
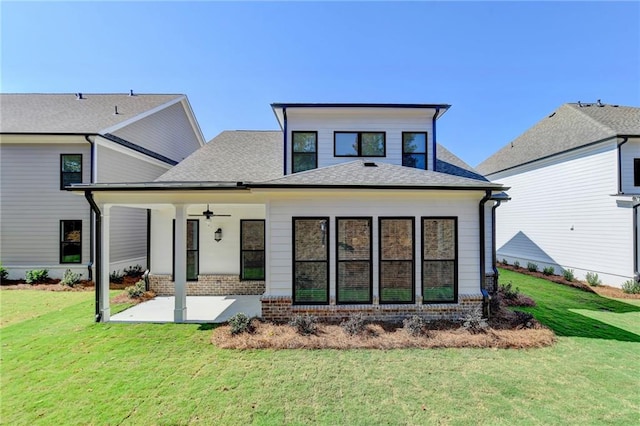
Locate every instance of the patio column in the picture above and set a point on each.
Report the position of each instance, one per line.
(180, 261)
(103, 303)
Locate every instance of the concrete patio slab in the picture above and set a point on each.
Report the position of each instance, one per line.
(200, 309)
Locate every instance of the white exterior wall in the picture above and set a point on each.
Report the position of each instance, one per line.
(564, 206)
(32, 205)
(393, 122)
(628, 152)
(283, 207)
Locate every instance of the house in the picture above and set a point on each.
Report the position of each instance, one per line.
(575, 179)
(48, 141)
(349, 208)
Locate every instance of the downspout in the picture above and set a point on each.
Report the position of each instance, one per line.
(635, 242)
(91, 215)
(433, 141)
(485, 294)
(284, 117)
(494, 256)
(98, 281)
(625, 140)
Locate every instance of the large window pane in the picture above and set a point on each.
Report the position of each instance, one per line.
(439, 260)
(70, 241)
(396, 282)
(193, 249)
(70, 169)
(372, 145)
(305, 150)
(396, 260)
(414, 149)
(311, 260)
(252, 249)
(438, 279)
(346, 144)
(359, 144)
(353, 247)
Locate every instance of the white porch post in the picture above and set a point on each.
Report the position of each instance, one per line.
(180, 261)
(103, 303)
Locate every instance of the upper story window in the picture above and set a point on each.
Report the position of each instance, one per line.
(359, 144)
(636, 172)
(414, 149)
(70, 169)
(305, 151)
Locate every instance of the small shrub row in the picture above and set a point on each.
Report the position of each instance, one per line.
(305, 324)
(474, 323)
(3, 272)
(414, 325)
(631, 287)
(70, 278)
(37, 276)
(532, 267)
(116, 277)
(568, 275)
(137, 290)
(593, 279)
(549, 270)
(133, 271)
(240, 323)
(356, 324)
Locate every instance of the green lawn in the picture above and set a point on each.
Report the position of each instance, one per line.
(61, 368)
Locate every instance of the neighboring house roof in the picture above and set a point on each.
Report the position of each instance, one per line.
(232, 156)
(67, 114)
(570, 126)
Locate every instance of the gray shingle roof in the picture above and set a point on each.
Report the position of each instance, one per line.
(64, 113)
(447, 162)
(232, 156)
(570, 126)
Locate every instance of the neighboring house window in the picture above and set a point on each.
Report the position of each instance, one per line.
(305, 151)
(396, 260)
(359, 144)
(70, 169)
(439, 259)
(353, 256)
(192, 249)
(636, 172)
(251, 249)
(311, 260)
(70, 241)
(414, 149)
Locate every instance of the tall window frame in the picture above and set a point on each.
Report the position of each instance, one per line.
(414, 155)
(301, 153)
(70, 241)
(358, 143)
(313, 261)
(351, 258)
(70, 169)
(636, 172)
(399, 261)
(439, 242)
(252, 253)
(192, 254)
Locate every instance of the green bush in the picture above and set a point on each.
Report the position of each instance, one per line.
(532, 267)
(116, 277)
(414, 325)
(240, 323)
(523, 319)
(568, 275)
(133, 271)
(36, 276)
(356, 324)
(548, 270)
(3, 272)
(137, 290)
(508, 292)
(516, 264)
(631, 287)
(70, 278)
(504, 261)
(593, 279)
(305, 324)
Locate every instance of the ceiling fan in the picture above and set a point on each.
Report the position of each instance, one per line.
(208, 214)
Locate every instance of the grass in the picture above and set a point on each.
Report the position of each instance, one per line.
(61, 368)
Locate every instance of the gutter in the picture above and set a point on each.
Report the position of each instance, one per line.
(483, 201)
(284, 115)
(98, 281)
(625, 140)
(635, 243)
(433, 137)
(493, 240)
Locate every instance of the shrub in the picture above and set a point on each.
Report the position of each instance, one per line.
(133, 271)
(593, 279)
(305, 324)
(356, 324)
(508, 292)
(568, 275)
(137, 290)
(532, 267)
(631, 287)
(504, 261)
(116, 277)
(474, 323)
(36, 276)
(549, 270)
(516, 264)
(3, 272)
(414, 325)
(523, 319)
(70, 278)
(240, 323)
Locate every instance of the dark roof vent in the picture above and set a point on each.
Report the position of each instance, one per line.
(370, 164)
(115, 108)
(552, 114)
(79, 95)
(580, 104)
(131, 92)
(600, 104)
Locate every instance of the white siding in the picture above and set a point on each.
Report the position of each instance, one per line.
(33, 205)
(283, 207)
(393, 122)
(115, 166)
(167, 132)
(629, 151)
(562, 214)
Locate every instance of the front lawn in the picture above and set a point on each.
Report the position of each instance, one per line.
(61, 368)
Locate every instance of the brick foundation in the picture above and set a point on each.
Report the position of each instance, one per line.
(281, 309)
(208, 285)
(490, 283)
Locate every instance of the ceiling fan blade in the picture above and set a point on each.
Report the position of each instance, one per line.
(222, 215)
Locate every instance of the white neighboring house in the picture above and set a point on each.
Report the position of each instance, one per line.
(350, 208)
(48, 141)
(575, 185)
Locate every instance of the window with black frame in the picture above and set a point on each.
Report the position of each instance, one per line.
(70, 241)
(311, 260)
(252, 249)
(396, 260)
(305, 151)
(414, 149)
(70, 169)
(636, 172)
(439, 259)
(359, 144)
(353, 255)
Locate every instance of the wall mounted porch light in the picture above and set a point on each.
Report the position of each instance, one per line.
(218, 235)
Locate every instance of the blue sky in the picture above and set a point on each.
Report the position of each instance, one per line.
(502, 66)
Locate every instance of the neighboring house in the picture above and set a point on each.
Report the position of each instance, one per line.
(48, 141)
(575, 184)
(350, 208)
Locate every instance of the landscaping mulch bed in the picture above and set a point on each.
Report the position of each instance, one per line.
(558, 279)
(124, 298)
(52, 284)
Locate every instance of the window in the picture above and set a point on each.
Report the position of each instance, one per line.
(311, 260)
(396, 260)
(636, 172)
(70, 169)
(359, 144)
(70, 241)
(353, 255)
(439, 259)
(193, 249)
(251, 249)
(305, 151)
(414, 149)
